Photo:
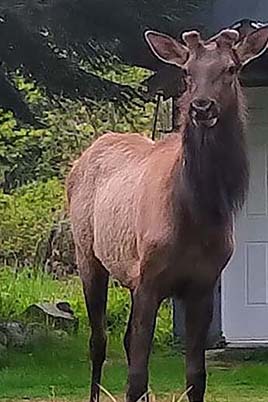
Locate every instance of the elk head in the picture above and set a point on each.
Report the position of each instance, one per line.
(211, 68)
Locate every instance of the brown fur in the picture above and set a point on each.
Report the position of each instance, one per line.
(158, 217)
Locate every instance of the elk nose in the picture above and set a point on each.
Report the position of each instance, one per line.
(202, 105)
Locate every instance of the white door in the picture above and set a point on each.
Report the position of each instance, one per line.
(245, 281)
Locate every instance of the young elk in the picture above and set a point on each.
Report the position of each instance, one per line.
(158, 217)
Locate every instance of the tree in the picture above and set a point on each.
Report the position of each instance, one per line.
(65, 44)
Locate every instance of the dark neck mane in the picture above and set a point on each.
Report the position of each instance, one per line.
(215, 168)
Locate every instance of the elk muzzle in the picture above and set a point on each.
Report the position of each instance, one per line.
(204, 112)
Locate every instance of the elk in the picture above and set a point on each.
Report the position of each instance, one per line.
(158, 216)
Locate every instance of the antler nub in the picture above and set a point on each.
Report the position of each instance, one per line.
(192, 39)
(227, 38)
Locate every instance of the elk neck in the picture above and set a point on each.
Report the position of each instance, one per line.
(214, 173)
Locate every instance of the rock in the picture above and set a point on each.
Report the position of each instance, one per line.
(35, 334)
(3, 352)
(57, 316)
(14, 332)
(44, 320)
(3, 339)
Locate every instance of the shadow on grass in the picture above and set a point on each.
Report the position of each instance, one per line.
(258, 355)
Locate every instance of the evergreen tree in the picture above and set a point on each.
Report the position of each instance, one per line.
(64, 45)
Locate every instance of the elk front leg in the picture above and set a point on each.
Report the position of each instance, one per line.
(198, 315)
(138, 341)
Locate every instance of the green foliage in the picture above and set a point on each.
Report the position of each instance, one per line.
(123, 74)
(28, 154)
(20, 289)
(20, 152)
(32, 93)
(26, 216)
(164, 324)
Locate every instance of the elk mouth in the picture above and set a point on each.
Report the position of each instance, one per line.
(208, 121)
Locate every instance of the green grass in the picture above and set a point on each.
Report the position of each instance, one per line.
(19, 290)
(59, 370)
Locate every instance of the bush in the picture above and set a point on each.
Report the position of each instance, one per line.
(29, 154)
(26, 216)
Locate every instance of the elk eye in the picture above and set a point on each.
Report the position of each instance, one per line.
(232, 70)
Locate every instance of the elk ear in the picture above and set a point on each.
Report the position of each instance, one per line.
(252, 46)
(166, 48)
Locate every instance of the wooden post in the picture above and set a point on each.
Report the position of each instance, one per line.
(175, 114)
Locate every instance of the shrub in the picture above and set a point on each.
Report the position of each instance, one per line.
(29, 154)
(26, 216)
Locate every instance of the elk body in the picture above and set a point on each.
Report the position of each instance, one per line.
(158, 217)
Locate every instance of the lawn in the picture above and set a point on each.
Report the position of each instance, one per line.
(58, 371)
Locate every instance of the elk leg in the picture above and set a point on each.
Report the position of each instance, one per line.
(198, 317)
(127, 334)
(95, 286)
(139, 339)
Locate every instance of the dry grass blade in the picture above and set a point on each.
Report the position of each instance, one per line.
(184, 394)
(113, 399)
(110, 396)
(143, 396)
